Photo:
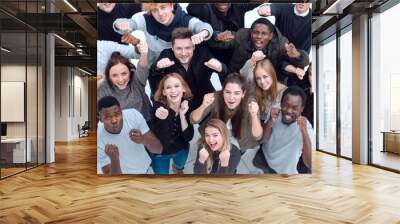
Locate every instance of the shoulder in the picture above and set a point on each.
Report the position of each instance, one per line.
(131, 114)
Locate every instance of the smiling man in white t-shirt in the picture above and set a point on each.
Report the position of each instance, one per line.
(121, 139)
(287, 135)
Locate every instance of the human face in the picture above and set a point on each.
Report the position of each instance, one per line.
(106, 7)
(112, 119)
(183, 50)
(163, 13)
(233, 95)
(223, 7)
(261, 36)
(120, 75)
(173, 90)
(291, 107)
(302, 7)
(213, 138)
(263, 79)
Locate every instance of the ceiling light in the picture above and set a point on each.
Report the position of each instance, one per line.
(5, 50)
(65, 41)
(70, 5)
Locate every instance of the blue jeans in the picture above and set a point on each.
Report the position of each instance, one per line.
(161, 162)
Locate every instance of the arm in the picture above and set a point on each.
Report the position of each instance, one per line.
(268, 126)
(187, 129)
(114, 166)
(142, 73)
(200, 166)
(152, 143)
(125, 25)
(234, 160)
(197, 26)
(205, 108)
(198, 10)
(306, 150)
(255, 123)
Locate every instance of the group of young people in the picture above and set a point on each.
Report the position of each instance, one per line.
(257, 116)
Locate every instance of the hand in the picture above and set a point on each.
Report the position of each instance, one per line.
(184, 107)
(264, 10)
(164, 63)
(203, 155)
(274, 115)
(224, 158)
(208, 99)
(142, 48)
(227, 36)
(130, 39)
(300, 73)
(198, 38)
(257, 56)
(161, 113)
(253, 108)
(136, 136)
(291, 50)
(112, 151)
(214, 64)
(302, 122)
(100, 80)
(123, 26)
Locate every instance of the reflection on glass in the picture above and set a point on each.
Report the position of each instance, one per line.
(385, 89)
(327, 97)
(346, 94)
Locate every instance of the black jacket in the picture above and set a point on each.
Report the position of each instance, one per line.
(197, 76)
(234, 160)
(233, 21)
(169, 131)
(275, 52)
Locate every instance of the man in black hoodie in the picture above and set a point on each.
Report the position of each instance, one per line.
(194, 64)
(224, 18)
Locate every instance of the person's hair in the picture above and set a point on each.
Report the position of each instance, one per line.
(159, 96)
(295, 91)
(117, 58)
(264, 21)
(148, 7)
(263, 96)
(219, 109)
(180, 33)
(106, 102)
(226, 145)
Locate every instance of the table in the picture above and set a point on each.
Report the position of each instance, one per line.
(15, 148)
(391, 141)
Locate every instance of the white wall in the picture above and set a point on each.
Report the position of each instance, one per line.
(70, 84)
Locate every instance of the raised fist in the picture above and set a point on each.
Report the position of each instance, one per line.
(224, 158)
(161, 113)
(124, 26)
(130, 39)
(291, 50)
(111, 151)
(184, 107)
(274, 115)
(136, 136)
(208, 99)
(142, 48)
(264, 10)
(198, 38)
(214, 64)
(203, 155)
(253, 108)
(302, 122)
(257, 56)
(225, 36)
(300, 73)
(164, 63)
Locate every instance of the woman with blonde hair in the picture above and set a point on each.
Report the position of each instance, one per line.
(170, 123)
(268, 91)
(216, 155)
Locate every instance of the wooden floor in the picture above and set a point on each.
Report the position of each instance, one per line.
(69, 191)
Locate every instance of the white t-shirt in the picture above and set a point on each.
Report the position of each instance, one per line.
(133, 157)
(284, 148)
